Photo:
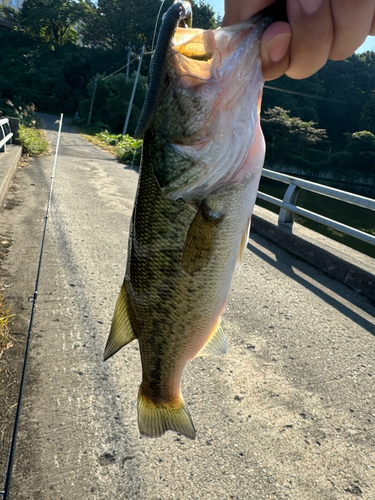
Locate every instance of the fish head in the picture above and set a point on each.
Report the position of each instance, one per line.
(208, 72)
(205, 114)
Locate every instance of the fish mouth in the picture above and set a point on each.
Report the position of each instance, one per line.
(178, 15)
(194, 57)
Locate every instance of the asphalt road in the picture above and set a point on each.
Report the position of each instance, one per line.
(288, 413)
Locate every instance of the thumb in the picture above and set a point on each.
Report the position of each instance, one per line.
(274, 50)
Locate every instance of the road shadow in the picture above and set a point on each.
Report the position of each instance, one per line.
(134, 168)
(283, 264)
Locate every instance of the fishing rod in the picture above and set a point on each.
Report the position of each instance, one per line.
(9, 468)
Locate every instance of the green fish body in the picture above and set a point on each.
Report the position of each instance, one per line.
(202, 156)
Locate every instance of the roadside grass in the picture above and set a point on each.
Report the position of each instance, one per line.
(124, 147)
(33, 141)
(5, 316)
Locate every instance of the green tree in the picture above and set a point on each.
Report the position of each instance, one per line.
(117, 24)
(204, 16)
(8, 13)
(292, 141)
(54, 21)
(121, 23)
(112, 101)
(361, 141)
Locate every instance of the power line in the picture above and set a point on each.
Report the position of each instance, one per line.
(331, 99)
(117, 70)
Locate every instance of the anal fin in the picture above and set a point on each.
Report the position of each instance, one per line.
(121, 330)
(216, 345)
(156, 419)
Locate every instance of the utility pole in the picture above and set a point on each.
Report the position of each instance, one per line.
(92, 100)
(133, 92)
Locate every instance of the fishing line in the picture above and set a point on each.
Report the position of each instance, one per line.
(127, 64)
(156, 24)
(32, 299)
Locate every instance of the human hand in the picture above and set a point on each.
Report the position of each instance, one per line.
(317, 30)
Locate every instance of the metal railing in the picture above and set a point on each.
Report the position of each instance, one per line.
(288, 205)
(5, 134)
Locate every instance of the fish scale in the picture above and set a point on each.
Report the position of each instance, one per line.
(174, 318)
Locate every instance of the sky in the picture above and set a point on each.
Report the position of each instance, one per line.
(218, 6)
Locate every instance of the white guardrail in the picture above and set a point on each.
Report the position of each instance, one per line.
(5, 134)
(288, 205)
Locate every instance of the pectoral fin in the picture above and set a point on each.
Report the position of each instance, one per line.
(201, 238)
(121, 330)
(216, 345)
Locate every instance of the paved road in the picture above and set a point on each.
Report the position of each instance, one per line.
(287, 414)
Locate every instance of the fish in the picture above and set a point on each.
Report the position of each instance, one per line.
(203, 152)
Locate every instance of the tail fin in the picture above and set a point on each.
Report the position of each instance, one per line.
(156, 419)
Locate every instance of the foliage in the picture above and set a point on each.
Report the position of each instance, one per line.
(55, 79)
(8, 13)
(112, 101)
(54, 21)
(128, 149)
(359, 153)
(121, 23)
(290, 140)
(124, 147)
(360, 141)
(26, 114)
(204, 16)
(33, 141)
(5, 316)
(339, 98)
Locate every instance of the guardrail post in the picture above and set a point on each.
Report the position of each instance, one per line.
(14, 124)
(290, 196)
(2, 132)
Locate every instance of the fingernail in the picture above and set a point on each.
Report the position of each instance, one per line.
(278, 47)
(310, 6)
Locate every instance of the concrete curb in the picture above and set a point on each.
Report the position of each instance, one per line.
(8, 165)
(339, 261)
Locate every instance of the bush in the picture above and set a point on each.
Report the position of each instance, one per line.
(112, 101)
(128, 149)
(25, 113)
(33, 141)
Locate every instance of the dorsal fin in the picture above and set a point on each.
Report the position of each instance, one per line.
(121, 330)
(216, 345)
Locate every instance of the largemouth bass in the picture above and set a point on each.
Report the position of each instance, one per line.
(203, 152)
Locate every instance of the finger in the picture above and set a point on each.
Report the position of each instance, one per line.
(372, 30)
(312, 36)
(352, 23)
(274, 50)
(237, 11)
